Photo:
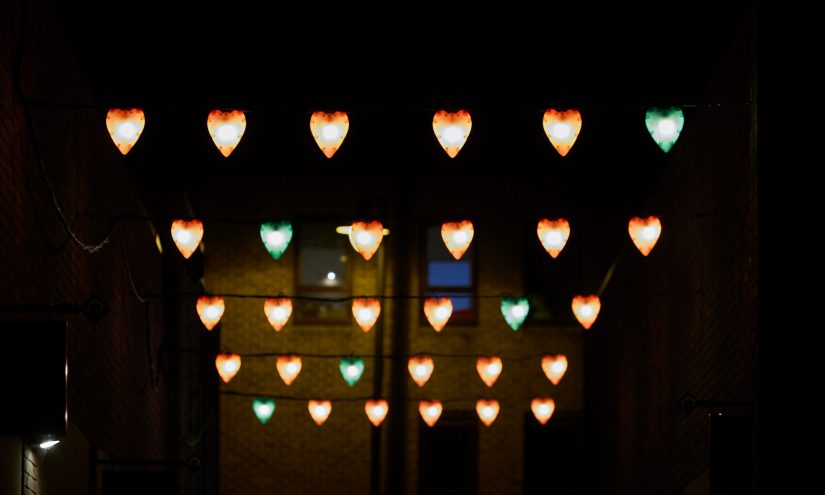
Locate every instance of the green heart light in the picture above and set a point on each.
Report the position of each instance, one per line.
(515, 310)
(351, 369)
(665, 125)
(263, 407)
(276, 237)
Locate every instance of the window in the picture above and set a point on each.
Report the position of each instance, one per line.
(322, 271)
(445, 277)
(448, 455)
(549, 283)
(553, 456)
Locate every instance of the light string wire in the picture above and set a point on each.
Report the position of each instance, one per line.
(307, 398)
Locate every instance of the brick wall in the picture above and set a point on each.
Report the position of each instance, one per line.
(291, 454)
(684, 319)
(111, 397)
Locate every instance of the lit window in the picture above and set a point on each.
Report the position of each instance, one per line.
(322, 271)
(444, 276)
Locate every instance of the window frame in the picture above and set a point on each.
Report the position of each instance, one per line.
(427, 291)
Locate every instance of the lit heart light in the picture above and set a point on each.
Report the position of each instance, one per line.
(288, 368)
(278, 311)
(665, 125)
(515, 311)
(489, 369)
(586, 309)
(553, 235)
(430, 411)
(226, 129)
(645, 233)
(438, 312)
(351, 369)
(319, 410)
(210, 310)
(329, 130)
(452, 130)
(366, 237)
(125, 127)
(554, 367)
(228, 366)
(187, 235)
(543, 408)
(457, 236)
(421, 368)
(487, 411)
(376, 411)
(263, 407)
(562, 128)
(366, 312)
(276, 237)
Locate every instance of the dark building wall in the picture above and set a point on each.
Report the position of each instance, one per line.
(684, 319)
(114, 399)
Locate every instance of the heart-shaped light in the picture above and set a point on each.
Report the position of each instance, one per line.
(329, 130)
(586, 309)
(554, 367)
(515, 311)
(376, 411)
(276, 237)
(457, 237)
(421, 368)
(278, 311)
(187, 234)
(452, 130)
(366, 312)
(553, 234)
(562, 128)
(543, 408)
(125, 127)
(351, 369)
(665, 125)
(228, 365)
(487, 411)
(489, 368)
(263, 407)
(365, 237)
(438, 311)
(210, 310)
(288, 367)
(430, 411)
(644, 232)
(227, 129)
(319, 410)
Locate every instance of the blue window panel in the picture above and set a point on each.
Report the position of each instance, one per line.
(449, 274)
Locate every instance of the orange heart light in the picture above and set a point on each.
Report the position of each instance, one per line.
(366, 312)
(553, 234)
(227, 129)
(645, 232)
(329, 130)
(278, 311)
(452, 130)
(421, 369)
(543, 408)
(288, 367)
(554, 367)
(125, 127)
(586, 309)
(210, 310)
(457, 237)
(228, 366)
(487, 411)
(562, 128)
(187, 235)
(430, 411)
(319, 410)
(489, 368)
(376, 411)
(438, 312)
(365, 237)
